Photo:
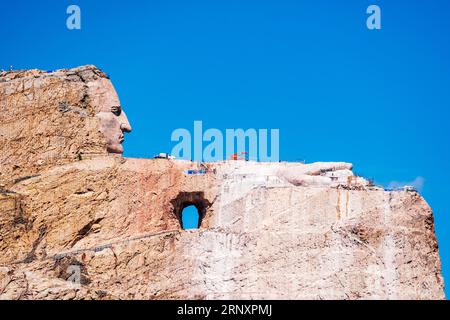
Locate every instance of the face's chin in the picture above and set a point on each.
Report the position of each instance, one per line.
(115, 147)
(110, 127)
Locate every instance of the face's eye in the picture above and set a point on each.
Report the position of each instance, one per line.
(117, 110)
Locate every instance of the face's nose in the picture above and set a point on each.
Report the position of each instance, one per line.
(124, 124)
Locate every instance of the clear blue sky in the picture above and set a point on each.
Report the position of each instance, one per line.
(190, 218)
(337, 91)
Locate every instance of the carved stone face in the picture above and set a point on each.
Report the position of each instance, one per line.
(113, 120)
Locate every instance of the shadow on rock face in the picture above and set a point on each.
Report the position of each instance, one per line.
(54, 118)
(113, 120)
(186, 199)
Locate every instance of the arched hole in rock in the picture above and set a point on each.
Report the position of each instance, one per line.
(185, 200)
(190, 218)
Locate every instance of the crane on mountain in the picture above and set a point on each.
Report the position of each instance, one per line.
(238, 156)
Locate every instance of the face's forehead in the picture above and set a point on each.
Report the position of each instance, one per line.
(103, 95)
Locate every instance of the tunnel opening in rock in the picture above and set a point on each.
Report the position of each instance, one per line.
(192, 207)
(190, 218)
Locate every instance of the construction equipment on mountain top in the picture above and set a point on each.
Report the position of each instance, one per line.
(195, 172)
(164, 156)
(237, 156)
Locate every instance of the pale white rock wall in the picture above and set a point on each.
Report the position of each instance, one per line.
(292, 242)
(269, 230)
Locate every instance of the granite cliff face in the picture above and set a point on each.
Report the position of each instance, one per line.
(78, 222)
(47, 119)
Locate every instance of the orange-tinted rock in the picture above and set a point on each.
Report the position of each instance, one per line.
(99, 226)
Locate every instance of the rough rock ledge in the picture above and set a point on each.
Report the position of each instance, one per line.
(71, 205)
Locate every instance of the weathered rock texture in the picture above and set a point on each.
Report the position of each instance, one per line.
(47, 119)
(105, 227)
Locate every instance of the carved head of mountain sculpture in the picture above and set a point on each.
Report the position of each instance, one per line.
(113, 120)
